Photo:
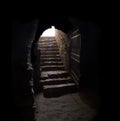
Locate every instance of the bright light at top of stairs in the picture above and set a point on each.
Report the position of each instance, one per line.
(49, 32)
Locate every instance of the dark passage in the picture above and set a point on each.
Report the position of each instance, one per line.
(59, 99)
(55, 80)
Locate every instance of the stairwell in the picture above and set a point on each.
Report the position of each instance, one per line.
(55, 80)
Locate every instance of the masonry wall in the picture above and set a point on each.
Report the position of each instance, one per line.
(75, 47)
(63, 43)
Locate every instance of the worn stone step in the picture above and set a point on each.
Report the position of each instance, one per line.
(48, 52)
(49, 49)
(56, 81)
(50, 56)
(53, 49)
(50, 59)
(58, 90)
(49, 45)
(52, 67)
(47, 40)
(54, 74)
(51, 63)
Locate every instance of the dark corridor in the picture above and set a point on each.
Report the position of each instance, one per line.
(83, 60)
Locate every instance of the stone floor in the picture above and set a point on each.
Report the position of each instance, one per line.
(68, 107)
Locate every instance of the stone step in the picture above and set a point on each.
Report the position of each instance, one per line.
(49, 49)
(52, 67)
(54, 74)
(50, 59)
(47, 43)
(51, 63)
(50, 56)
(47, 40)
(48, 52)
(56, 81)
(58, 90)
(49, 46)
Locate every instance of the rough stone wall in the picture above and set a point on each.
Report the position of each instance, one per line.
(23, 35)
(36, 68)
(63, 44)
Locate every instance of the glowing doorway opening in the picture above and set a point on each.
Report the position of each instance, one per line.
(49, 32)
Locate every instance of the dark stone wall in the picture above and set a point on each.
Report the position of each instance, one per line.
(89, 52)
(90, 55)
(75, 47)
(23, 35)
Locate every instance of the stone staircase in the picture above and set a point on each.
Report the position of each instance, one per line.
(55, 80)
